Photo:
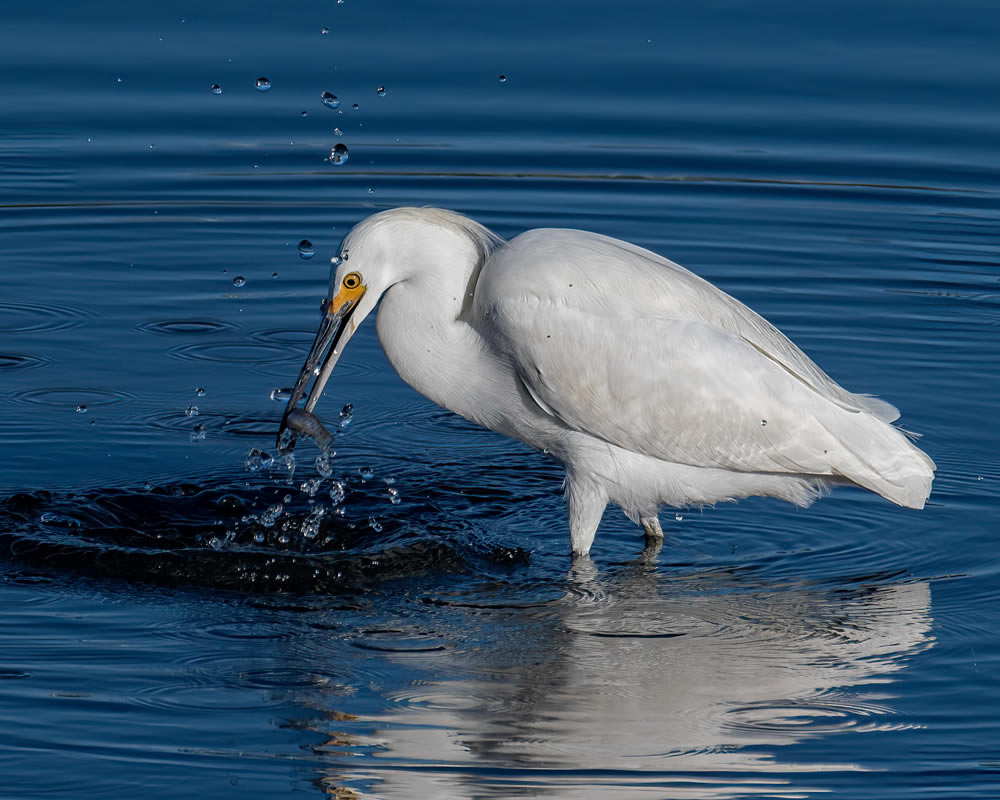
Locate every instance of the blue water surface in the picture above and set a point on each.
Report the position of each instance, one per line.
(182, 614)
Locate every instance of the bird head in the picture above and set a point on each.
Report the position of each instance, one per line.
(380, 252)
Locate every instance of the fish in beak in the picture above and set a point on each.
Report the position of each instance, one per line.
(335, 331)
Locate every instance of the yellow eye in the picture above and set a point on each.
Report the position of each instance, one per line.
(352, 280)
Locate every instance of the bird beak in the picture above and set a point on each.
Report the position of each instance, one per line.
(334, 332)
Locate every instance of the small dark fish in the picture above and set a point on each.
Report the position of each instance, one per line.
(302, 421)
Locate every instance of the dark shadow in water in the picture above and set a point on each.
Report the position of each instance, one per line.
(255, 535)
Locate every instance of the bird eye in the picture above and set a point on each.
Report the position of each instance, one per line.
(352, 280)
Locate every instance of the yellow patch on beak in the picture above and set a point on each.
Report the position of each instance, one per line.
(345, 297)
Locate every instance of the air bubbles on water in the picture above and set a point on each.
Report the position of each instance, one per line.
(306, 250)
(325, 31)
(367, 473)
(393, 495)
(380, 91)
(330, 100)
(338, 132)
(678, 517)
(216, 89)
(355, 106)
(259, 537)
(239, 281)
(374, 524)
(198, 433)
(338, 155)
(263, 84)
(258, 460)
(81, 409)
(503, 79)
(346, 415)
(191, 411)
(199, 392)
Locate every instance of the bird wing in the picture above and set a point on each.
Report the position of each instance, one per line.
(616, 279)
(681, 391)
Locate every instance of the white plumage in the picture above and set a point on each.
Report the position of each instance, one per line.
(652, 386)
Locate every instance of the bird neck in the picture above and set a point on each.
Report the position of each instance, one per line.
(425, 331)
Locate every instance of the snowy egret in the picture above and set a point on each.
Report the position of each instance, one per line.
(649, 384)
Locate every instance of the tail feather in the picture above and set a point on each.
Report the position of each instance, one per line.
(880, 457)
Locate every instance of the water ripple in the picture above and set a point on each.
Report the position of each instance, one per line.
(174, 327)
(233, 352)
(71, 397)
(35, 317)
(20, 361)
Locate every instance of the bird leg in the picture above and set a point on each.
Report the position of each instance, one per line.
(586, 507)
(651, 525)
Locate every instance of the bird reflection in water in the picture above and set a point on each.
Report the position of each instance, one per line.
(681, 687)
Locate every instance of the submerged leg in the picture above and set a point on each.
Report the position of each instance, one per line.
(654, 537)
(651, 525)
(586, 507)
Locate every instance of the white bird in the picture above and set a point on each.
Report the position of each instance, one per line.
(648, 383)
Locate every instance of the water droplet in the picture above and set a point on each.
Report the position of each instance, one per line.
(280, 395)
(503, 79)
(763, 423)
(257, 460)
(191, 411)
(366, 472)
(263, 84)
(303, 113)
(337, 492)
(374, 524)
(198, 433)
(338, 132)
(678, 517)
(283, 539)
(323, 465)
(306, 249)
(268, 518)
(274, 274)
(355, 106)
(216, 89)
(325, 31)
(199, 392)
(239, 280)
(289, 461)
(380, 91)
(346, 415)
(81, 409)
(311, 486)
(330, 100)
(393, 496)
(259, 537)
(338, 155)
